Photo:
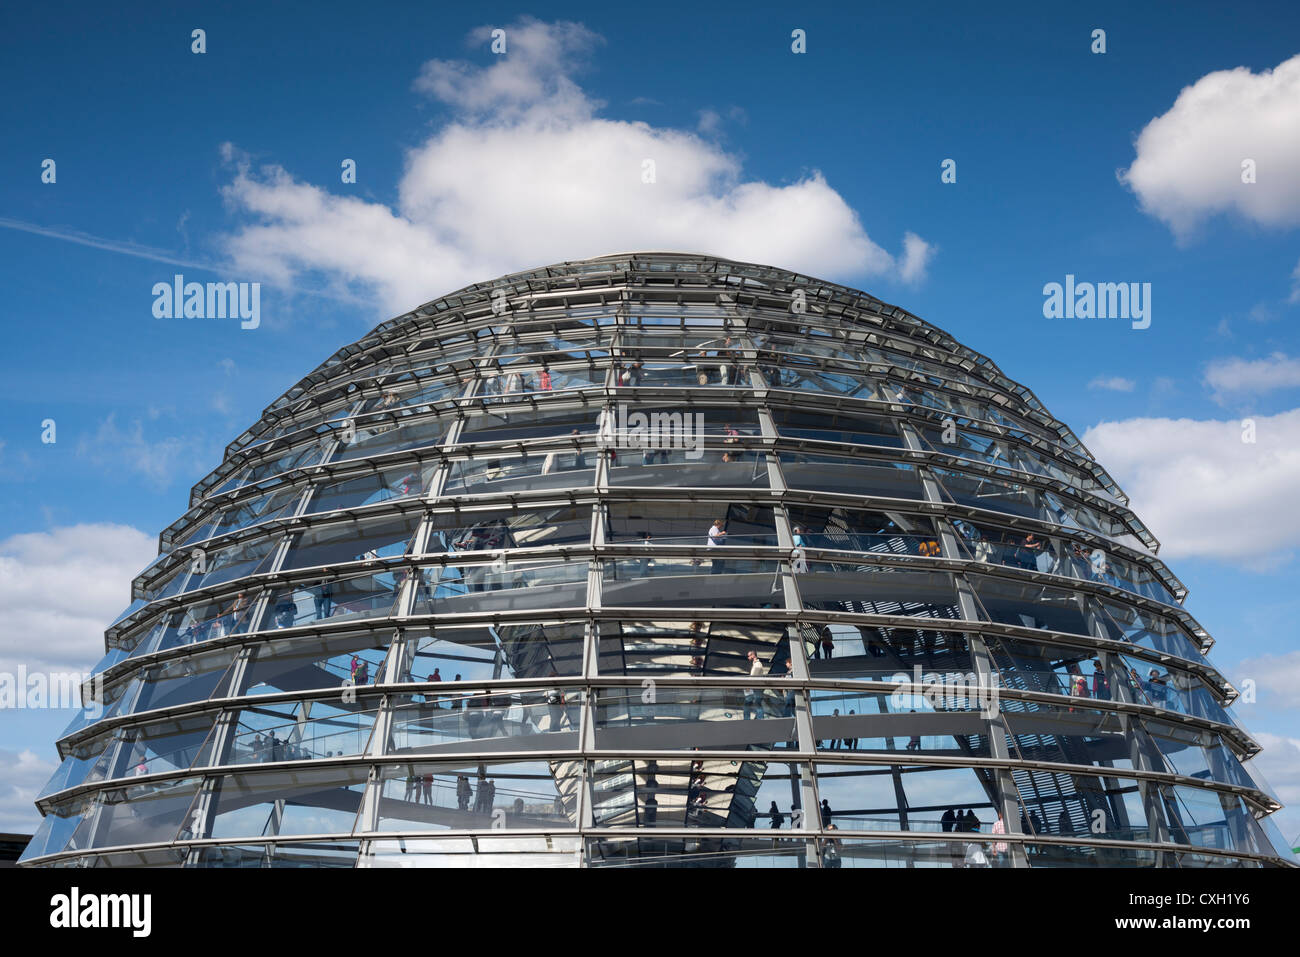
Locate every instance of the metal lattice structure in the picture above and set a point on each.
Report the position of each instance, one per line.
(657, 560)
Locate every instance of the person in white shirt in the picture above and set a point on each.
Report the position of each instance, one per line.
(754, 696)
(717, 538)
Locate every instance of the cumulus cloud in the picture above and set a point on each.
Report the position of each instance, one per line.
(527, 171)
(1205, 492)
(1279, 765)
(128, 449)
(916, 258)
(60, 589)
(1238, 377)
(535, 68)
(1189, 160)
(1276, 675)
(22, 775)
(1112, 383)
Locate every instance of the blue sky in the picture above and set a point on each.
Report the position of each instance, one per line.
(827, 161)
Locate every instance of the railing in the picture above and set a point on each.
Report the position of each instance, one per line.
(1054, 558)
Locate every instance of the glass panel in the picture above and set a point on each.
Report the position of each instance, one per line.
(675, 581)
(71, 772)
(1125, 623)
(140, 814)
(862, 531)
(894, 797)
(666, 648)
(159, 747)
(519, 794)
(1197, 754)
(1018, 549)
(946, 719)
(1028, 501)
(352, 542)
(183, 680)
(1046, 732)
(117, 698)
(677, 523)
(275, 503)
(878, 590)
(475, 653)
(495, 474)
(412, 395)
(1034, 606)
(333, 854)
(501, 586)
(826, 425)
(710, 467)
(847, 383)
(1171, 689)
(1212, 819)
(159, 857)
(382, 434)
(404, 481)
(978, 447)
(703, 792)
(521, 379)
(490, 530)
(235, 561)
(838, 473)
(530, 424)
(1052, 669)
(205, 621)
(514, 852)
(55, 832)
(424, 724)
(312, 662)
(275, 463)
(299, 801)
(334, 599)
(731, 852)
(301, 731)
(668, 718)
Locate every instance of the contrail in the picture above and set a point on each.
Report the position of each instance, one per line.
(146, 252)
(113, 246)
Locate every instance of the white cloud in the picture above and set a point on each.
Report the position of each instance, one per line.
(1235, 376)
(1277, 675)
(916, 258)
(160, 460)
(1189, 160)
(709, 122)
(535, 68)
(1203, 491)
(22, 775)
(1112, 383)
(1295, 284)
(527, 172)
(59, 590)
(1279, 765)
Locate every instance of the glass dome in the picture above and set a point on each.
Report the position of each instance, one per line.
(657, 560)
